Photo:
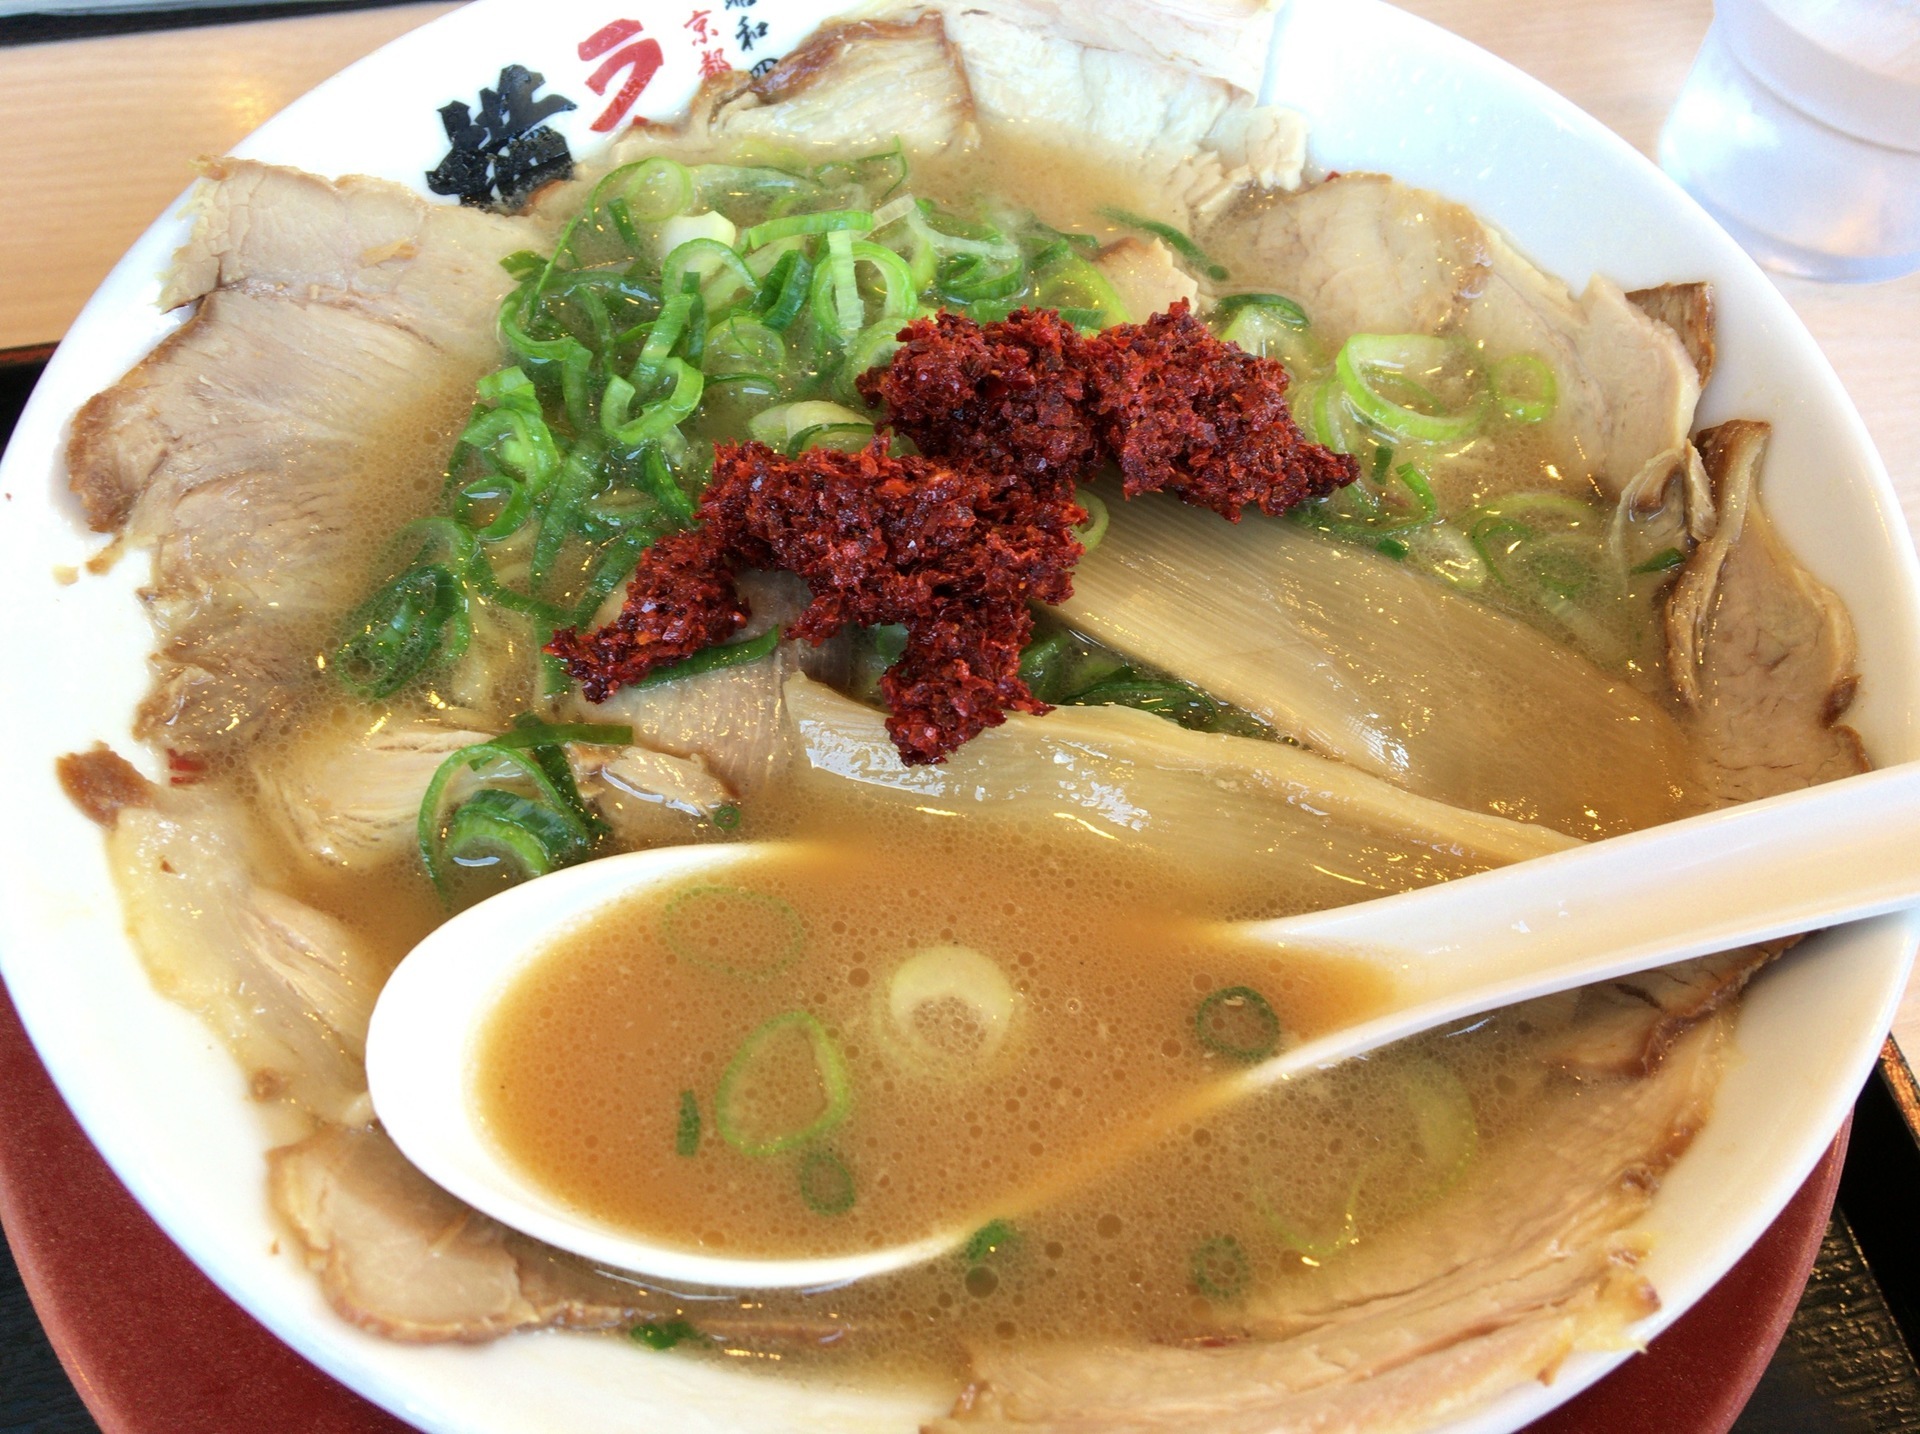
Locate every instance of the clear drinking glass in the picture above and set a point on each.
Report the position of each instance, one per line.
(1799, 130)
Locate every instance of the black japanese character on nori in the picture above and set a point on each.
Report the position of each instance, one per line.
(498, 159)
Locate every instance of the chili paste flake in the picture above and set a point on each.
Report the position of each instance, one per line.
(955, 554)
(1177, 409)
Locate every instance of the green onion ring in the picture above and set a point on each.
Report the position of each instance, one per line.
(829, 1065)
(1243, 1001)
(1366, 352)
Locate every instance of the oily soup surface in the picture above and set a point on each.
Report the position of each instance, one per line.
(1144, 1228)
(953, 1100)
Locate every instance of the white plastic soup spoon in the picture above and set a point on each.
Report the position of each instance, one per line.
(1789, 864)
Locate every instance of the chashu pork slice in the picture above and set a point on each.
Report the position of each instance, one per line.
(302, 413)
(287, 987)
(1525, 1263)
(399, 1256)
(858, 85)
(1366, 254)
(1180, 140)
(1760, 651)
(1177, 140)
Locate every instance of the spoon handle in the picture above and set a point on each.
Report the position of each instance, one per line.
(1789, 864)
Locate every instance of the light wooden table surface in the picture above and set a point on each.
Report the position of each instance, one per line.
(137, 109)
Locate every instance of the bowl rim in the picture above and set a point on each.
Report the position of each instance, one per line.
(119, 324)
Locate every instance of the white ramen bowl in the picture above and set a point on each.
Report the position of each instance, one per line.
(1382, 90)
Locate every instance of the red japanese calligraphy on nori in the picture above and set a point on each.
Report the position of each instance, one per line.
(954, 553)
(1178, 410)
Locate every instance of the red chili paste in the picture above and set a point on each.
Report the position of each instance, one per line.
(1178, 410)
(957, 544)
(956, 555)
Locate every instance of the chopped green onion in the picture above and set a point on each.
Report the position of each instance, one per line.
(989, 1240)
(1174, 239)
(1043, 663)
(712, 659)
(968, 278)
(1220, 1268)
(1237, 1022)
(522, 263)
(664, 487)
(663, 1334)
(831, 221)
(495, 825)
(1276, 306)
(1317, 1238)
(540, 763)
(950, 979)
(1544, 509)
(1525, 388)
(1084, 296)
(902, 294)
(874, 348)
(727, 817)
(529, 731)
(1167, 697)
(686, 1136)
(518, 441)
(784, 291)
(733, 1113)
(515, 499)
(657, 417)
(1089, 533)
(415, 621)
(664, 334)
(1663, 561)
(742, 345)
(1444, 1127)
(653, 190)
(891, 165)
(750, 182)
(845, 437)
(777, 427)
(1497, 539)
(1448, 554)
(509, 388)
(699, 260)
(825, 1183)
(767, 933)
(951, 234)
(1367, 363)
(579, 476)
(893, 211)
(837, 307)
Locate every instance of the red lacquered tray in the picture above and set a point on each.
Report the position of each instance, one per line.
(154, 1348)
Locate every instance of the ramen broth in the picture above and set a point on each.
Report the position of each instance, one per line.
(1091, 1215)
(955, 1096)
